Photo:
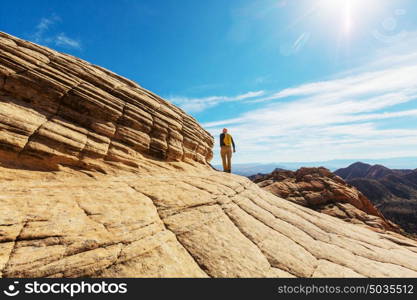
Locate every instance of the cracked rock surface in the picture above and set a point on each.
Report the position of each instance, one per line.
(101, 178)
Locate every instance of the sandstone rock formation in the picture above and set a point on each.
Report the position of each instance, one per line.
(101, 178)
(75, 113)
(323, 191)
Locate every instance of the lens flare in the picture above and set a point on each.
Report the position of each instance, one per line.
(348, 15)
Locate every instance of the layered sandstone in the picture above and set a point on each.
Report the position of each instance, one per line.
(101, 178)
(62, 108)
(323, 191)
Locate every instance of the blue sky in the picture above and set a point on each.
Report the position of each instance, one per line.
(293, 80)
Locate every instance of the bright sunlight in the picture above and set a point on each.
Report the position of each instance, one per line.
(348, 13)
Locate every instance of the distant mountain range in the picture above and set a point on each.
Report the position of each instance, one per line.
(255, 168)
(392, 191)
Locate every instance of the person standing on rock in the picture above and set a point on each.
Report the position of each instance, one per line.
(226, 143)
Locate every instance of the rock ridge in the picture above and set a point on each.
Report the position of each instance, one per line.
(68, 111)
(101, 178)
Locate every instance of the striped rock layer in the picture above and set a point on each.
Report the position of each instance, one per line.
(102, 178)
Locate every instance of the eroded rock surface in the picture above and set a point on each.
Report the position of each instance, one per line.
(58, 106)
(323, 191)
(101, 178)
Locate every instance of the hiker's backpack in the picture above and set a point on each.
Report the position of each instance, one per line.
(227, 140)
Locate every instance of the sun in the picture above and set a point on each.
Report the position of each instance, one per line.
(341, 11)
(347, 20)
(347, 14)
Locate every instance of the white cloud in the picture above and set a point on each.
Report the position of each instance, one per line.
(392, 79)
(43, 26)
(341, 118)
(42, 34)
(199, 104)
(62, 40)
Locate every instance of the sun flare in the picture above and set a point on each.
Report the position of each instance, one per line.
(347, 13)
